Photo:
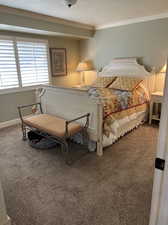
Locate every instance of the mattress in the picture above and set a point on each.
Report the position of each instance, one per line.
(122, 112)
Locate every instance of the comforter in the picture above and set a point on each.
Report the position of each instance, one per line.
(120, 104)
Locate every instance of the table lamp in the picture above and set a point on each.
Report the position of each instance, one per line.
(160, 79)
(163, 70)
(82, 67)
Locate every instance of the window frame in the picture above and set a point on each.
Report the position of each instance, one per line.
(27, 88)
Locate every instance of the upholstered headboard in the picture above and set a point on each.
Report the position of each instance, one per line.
(124, 67)
(129, 67)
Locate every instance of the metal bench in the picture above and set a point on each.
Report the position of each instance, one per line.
(56, 128)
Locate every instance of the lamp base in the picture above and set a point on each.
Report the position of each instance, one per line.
(82, 78)
(78, 86)
(81, 87)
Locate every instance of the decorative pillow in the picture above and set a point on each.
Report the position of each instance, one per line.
(125, 83)
(103, 82)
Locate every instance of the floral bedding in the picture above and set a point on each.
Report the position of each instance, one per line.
(120, 104)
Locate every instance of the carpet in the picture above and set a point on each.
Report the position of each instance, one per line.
(116, 189)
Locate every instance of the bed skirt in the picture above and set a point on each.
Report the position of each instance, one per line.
(127, 126)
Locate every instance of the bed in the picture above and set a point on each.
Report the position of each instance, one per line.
(113, 112)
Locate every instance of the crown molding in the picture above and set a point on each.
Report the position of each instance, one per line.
(21, 12)
(132, 21)
(39, 16)
(8, 28)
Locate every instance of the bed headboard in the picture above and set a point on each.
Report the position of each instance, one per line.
(129, 67)
(124, 67)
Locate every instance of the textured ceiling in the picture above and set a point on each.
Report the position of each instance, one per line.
(93, 12)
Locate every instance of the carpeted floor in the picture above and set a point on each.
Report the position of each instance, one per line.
(113, 190)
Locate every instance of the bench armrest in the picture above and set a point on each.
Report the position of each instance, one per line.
(20, 107)
(78, 118)
(67, 122)
(25, 106)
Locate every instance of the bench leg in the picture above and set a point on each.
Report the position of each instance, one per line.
(24, 132)
(65, 151)
(85, 138)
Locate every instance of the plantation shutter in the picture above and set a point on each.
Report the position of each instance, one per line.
(8, 69)
(33, 62)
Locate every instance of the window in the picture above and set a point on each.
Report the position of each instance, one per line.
(8, 70)
(23, 63)
(33, 62)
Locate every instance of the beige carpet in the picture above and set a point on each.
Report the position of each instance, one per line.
(113, 190)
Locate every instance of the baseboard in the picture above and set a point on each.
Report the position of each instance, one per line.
(12, 122)
(9, 123)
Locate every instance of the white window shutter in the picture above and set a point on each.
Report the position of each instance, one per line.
(8, 69)
(33, 62)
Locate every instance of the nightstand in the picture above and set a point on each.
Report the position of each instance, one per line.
(156, 98)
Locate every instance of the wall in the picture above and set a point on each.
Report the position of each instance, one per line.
(73, 58)
(147, 40)
(9, 103)
(11, 100)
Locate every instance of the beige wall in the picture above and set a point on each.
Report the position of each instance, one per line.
(11, 100)
(146, 40)
(72, 47)
(9, 103)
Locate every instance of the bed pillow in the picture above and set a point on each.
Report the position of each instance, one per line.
(103, 82)
(126, 83)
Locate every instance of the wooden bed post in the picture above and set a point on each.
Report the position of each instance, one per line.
(99, 129)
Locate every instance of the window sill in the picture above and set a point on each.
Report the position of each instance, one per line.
(16, 90)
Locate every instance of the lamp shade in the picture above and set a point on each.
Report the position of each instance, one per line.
(163, 70)
(83, 66)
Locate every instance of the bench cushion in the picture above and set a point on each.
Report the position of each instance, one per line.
(52, 125)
